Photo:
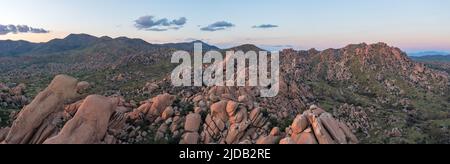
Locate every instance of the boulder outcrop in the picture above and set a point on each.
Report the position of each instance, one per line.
(316, 126)
(34, 122)
(90, 123)
(216, 115)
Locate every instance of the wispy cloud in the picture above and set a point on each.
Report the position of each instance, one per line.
(265, 26)
(283, 46)
(16, 29)
(196, 39)
(150, 23)
(222, 25)
(276, 47)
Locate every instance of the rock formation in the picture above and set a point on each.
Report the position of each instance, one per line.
(90, 123)
(39, 119)
(154, 108)
(316, 126)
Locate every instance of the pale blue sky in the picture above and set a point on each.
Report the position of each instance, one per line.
(412, 25)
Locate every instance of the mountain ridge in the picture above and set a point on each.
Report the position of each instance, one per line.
(432, 58)
(82, 41)
(428, 53)
(379, 92)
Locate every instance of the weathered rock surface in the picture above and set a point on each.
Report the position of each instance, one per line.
(192, 123)
(3, 133)
(46, 103)
(160, 103)
(89, 124)
(316, 126)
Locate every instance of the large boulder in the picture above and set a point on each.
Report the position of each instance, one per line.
(140, 112)
(236, 112)
(82, 86)
(232, 108)
(160, 103)
(300, 124)
(49, 101)
(192, 123)
(212, 129)
(218, 110)
(236, 132)
(275, 131)
(333, 128)
(89, 124)
(168, 113)
(257, 118)
(320, 132)
(316, 126)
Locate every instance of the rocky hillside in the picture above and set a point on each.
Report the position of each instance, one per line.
(113, 65)
(372, 91)
(13, 48)
(220, 115)
(386, 97)
(437, 62)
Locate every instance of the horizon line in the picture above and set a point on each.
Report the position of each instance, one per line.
(280, 47)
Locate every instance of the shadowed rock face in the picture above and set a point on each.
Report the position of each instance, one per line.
(3, 133)
(90, 123)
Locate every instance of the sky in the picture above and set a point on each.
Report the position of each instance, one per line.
(413, 25)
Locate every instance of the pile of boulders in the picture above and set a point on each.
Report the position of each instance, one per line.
(355, 117)
(231, 116)
(218, 115)
(152, 109)
(12, 98)
(191, 128)
(315, 126)
(41, 118)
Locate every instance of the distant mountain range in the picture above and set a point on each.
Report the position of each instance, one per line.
(428, 53)
(83, 41)
(82, 54)
(432, 58)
